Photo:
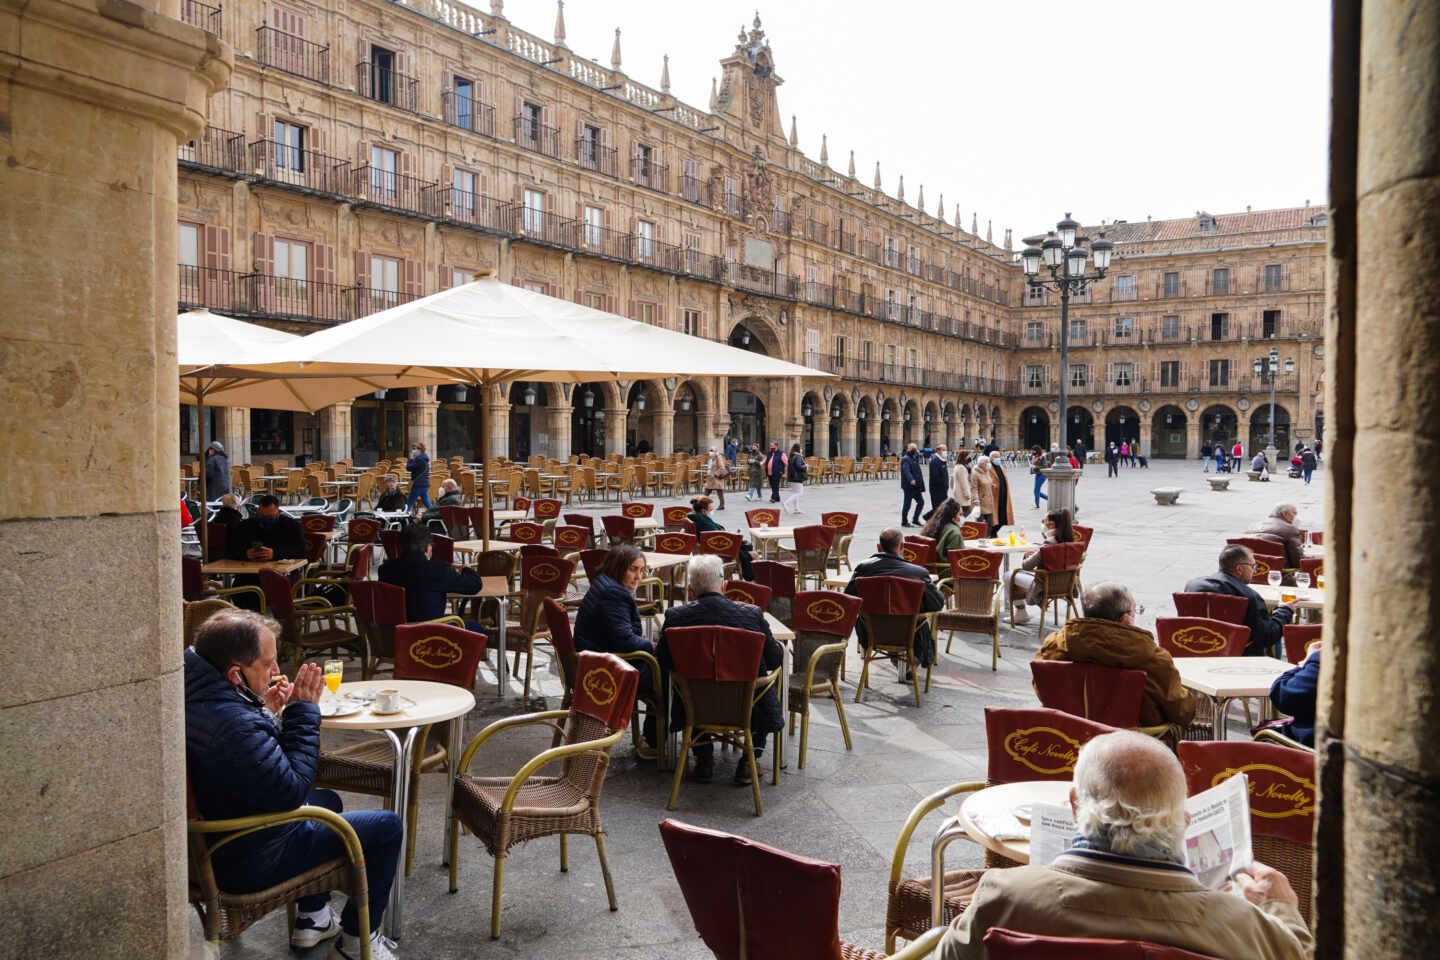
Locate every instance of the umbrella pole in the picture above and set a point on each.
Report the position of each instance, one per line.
(484, 463)
(202, 521)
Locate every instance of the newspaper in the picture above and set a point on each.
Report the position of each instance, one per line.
(1217, 841)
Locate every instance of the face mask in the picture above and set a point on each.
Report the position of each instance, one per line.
(414, 452)
(269, 521)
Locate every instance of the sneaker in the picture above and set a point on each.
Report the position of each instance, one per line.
(381, 948)
(903, 670)
(704, 769)
(1022, 613)
(307, 933)
(742, 769)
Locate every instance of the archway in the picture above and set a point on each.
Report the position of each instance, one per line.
(1122, 425)
(377, 426)
(995, 424)
(1035, 428)
(1081, 427)
(967, 435)
(811, 406)
(864, 415)
(911, 424)
(889, 412)
(1168, 432)
(455, 433)
(527, 421)
(1260, 432)
(747, 418)
(587, 420)
(837, 424)
(642, 404)
(686, 434)
(931, 421)
(1218, 425)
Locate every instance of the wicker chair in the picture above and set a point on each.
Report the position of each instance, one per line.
(224, 916)
(972, 598)
(194, 586)
(824, 620)
(196, 612)
(749, 900)
(1058, 577)
(762, 517)
(743, 591)
(715, 675)
(1282, 800)
(1024, 744)
(540, 577)
(504, 811)
(423, 651)
(780, 578)
(891, 614)
(673, 518)
(812, 552)
(299, 628)
(1298, 637)
(1003, 944)
(1215, 606)
(1109, 695)
(844, 525)
(1200, 637)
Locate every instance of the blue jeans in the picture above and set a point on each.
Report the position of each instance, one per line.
(912, 496)
(1040, 482)
(1307, 475)
(304, 845)
(419, 491)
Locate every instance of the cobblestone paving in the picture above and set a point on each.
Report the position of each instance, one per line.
(846, 807)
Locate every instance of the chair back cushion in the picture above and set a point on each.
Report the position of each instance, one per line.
(389, 604)
(315, 544)
(1061, 556)
(192, 578)
(826, 611)
(360, 559)
(895, 596)
(525, 531)
(972, 530)
(619, 528)
(721, 543)
(779, 577)
(581, 520)
(390, 542)
(546, 509)
(593, 561)
(1298, 636)
(550, 574)
(1035, 743)
(921, 551)
(1264, 563)
(317, 522)
(568, 538)
(706, 867)
(814, 538)
(743, 591)
(362, 595)
(442, 548)
(1315, 566)
(971, 564)
(363, 530)
(604, 688)
(1104, 694)
(538, 550)
(457, 521)
(1002, 944)
(520, 503)
(563, 639)
(1259, 544)
(680, 544)
(789, 905)
(767, 516)
(218, 535)
(1216, 606)
(1084, 533)
(1201, 637)
(715, 653)
(437, 651)
(1282, 782)
(277, 592)
(842, 522)
(637, 510)
(674, 516)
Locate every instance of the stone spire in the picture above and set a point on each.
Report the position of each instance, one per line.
(824, 151)
(615, 52)
(794, 135)
(1007, 239)
(877, 176)
(940, 209)
(851, 173)
(958, 224)
(900, 191)
(920, 200)
(665, 75)
(559, 23)
(974, 223)
(989, 234)
(714, 96)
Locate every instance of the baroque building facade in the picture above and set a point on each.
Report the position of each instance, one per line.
(372, 152)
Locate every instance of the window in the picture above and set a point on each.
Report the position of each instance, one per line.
(1207, 223)
(646, 312)
(732, 196)
(595, 301)
(1222, 280)
(1034, 376)
(291, 269)
(967, 366)
(892, 252)
(462, 201)
(464, 103)
(1219, 326)
(594, 224)
(590, 147)
(1169, 373)
(1124, 374)
(537, 287)
(982, 369)
(1079, 330)
(865, 348)
(692, 322)
(189, 246)
(1034, 331)
(1219, 373)
(644, 164)
(891, 352)
(690, 180)
(1172, 284)
(1274, 276)
(1079, 374)
(289, 146)
(644, 239)
(892, 306)
(1269, 324)
(1170, 328)
(382, 66)
(912, 357)
(382, 173)
(531, 120)
(812, 282)
(459, 275)
(1124, 286)
(384, 289)
(692, 253)
(1124, 328)
(534, 211)
(839, 349)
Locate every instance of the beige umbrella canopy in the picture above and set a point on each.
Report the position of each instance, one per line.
(486, 332)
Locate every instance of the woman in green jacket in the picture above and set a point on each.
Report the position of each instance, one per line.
(944, 529)
(700, 516)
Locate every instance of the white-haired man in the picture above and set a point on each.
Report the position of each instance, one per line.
(1125, 877)
(709, 608)
(1280, 528)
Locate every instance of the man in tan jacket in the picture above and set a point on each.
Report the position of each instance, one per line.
(1107, 635)
(1125, 877)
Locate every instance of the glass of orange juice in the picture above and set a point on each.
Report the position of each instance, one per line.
(334, 673)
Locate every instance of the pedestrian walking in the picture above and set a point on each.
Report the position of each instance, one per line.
(795, 471)
(1112, 460)
(755, 467)
(775, 470)
(1307, 464)
(1135, 454)
(1079, 451)
(715, 479)
(1237, 456)
(912, 484)
(1219, 456)
(1039, 462)
(939, 480)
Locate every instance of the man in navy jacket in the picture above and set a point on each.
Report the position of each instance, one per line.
(775, 463)
(427, 581)
(253, 746)
(1267, 629)
(912, 484)
(1293, 692)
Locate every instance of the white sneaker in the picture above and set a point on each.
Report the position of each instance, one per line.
(307, 933)
(1022, 613)
(381, 948)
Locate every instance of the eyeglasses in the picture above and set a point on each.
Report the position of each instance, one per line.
(1136, 610)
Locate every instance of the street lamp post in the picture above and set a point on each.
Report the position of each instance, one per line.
(1064, 255)
(1270, 371)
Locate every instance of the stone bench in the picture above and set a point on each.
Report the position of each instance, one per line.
(1166, 496)
(1219, 483)
(1257, 476)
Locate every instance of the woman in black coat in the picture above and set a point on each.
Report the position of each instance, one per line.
(609, 620)
(700, 516)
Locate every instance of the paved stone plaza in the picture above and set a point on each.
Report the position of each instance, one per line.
(844, 807)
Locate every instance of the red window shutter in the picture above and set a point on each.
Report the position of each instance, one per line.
(262, 263)
(414, 282)
(362, 269)
(447, 277)
(634, 310)
(215, 259)
(609, 303)
(324, 297)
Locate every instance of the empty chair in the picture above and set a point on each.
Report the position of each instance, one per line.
(780, 578)
(676, 544)
(568, 539)
(844, 525)
(524, 531)
(637, 510)
(673, 518)
(301, 629)
(1110, 695)
(812, 552)
(1298, 637)
(540, 577)
(972, 598)
(618, 529)
(724, 544)
(824, 620)
(762, 517)
(1215, 606)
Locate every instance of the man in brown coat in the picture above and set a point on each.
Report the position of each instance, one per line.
(1280, 528)
(1107, 635)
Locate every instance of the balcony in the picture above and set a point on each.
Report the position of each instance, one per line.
(538, 226)
(690, 188)
(201, 15)
(649, 174)
(467, 113)
(874, 371)
(652, 253)
(590, 155)
(535, 137)
(600, 241)
(847, 241)
(303, 170)
(206, 287)
(475, 210)
(817, 232)
(253, 294)
(734, 205)
(780, 222)
(755, 279)
(378, 187)
(1171, 289)
(215, 151)
(383, 85)
(357, 302)
(1118, 296)
(293, 54)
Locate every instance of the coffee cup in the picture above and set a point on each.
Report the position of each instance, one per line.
(387, 701)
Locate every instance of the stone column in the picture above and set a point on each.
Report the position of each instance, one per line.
(420, 418)
(847, 437)
(615, 430)
(1145, 431)
(558, 425)
(662, 427)
(1377, 851)
(499, 427)
(1194, 433)
(335, 432)
(705, 435)
(232, 429)
(820, 427)
(95, 99)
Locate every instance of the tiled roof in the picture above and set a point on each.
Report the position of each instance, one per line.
(1225, 223)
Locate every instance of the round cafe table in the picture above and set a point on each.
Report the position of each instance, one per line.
(433, 702)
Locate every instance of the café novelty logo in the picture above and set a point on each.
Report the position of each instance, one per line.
(1043, 749)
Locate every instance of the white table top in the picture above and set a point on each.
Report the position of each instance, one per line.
(1314, 550)
(1230, 676)
(502, 516)
(476, 546)
(771, 533)
(1002, 547)
(988, 815)
(647, 523)
(778, 630)
(1307, 599)
(434, 702)
(660, 561)
(252, 566)
(301, 508)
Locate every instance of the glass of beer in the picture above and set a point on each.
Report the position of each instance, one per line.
(334, 673)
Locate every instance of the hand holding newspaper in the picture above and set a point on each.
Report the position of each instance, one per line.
(1217, 841)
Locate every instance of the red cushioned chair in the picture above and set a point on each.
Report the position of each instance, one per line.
(743, 591)
(317, 522)
(581, 520)
(1282, 800)
(442, 548)
(457, 522)
(844, 524)
(1314, 566)
(525, 531)
(315, 546)
(540, 577)
(618, 529)
(890, 610)
(504, 811)
(1109, 695)
(1216, 606)
(973, 530)
(972, 598)
(724, 545)
(756, 902)
(1002, 944)
(546, 508)
(1058, 575)
(522, 504)
(1201, 637)
(762, 516)
(390, 543)
(218, 539)
(363, 530)
(477, 522)
(674, 518)
(715, 676)
(824, 620)
(593, 561)
(676, 544)
(1299, 636)
(570, 539)
(812, 552)
(194, 586)
(780, 578)
(918, 550)
(301, 631)
(423, 651)
(637, 510)
(538, 550)
(1264, 563)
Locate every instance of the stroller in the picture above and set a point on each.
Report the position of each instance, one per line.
(1295, 469)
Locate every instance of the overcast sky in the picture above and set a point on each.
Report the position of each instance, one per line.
(1109, 109)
